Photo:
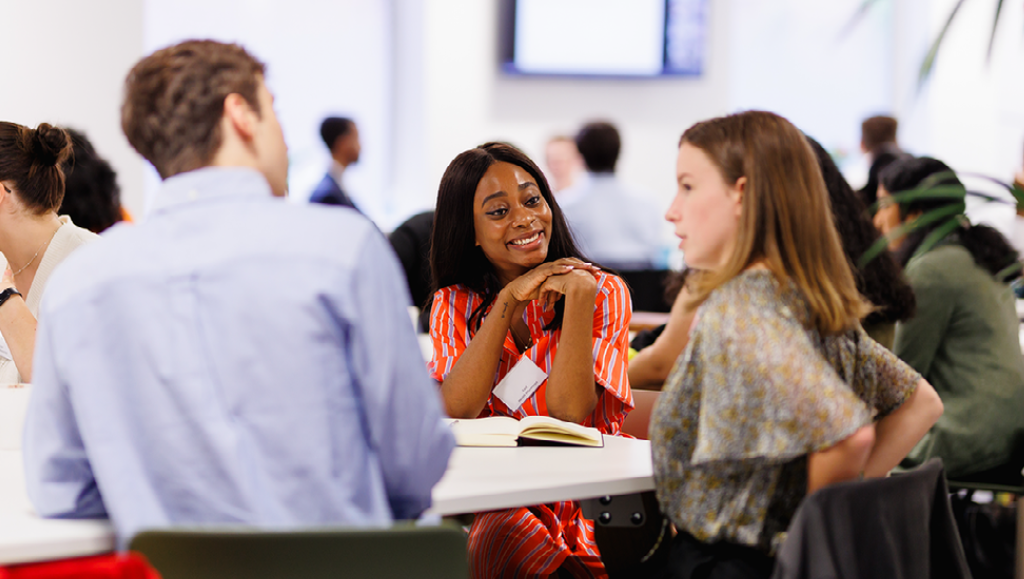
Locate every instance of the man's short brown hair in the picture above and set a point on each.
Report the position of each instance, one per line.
(877, 131)
(174, 101)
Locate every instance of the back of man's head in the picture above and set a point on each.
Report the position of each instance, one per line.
(333, 128)
(599, 145)
(174, 101)
(877, 131)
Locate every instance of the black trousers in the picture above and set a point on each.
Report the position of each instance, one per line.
(689, 558)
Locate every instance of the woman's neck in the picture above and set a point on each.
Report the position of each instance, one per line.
(23, 241)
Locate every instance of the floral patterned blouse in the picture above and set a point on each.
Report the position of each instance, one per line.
(755, 392)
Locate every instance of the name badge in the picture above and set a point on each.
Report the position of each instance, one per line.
(520, 383)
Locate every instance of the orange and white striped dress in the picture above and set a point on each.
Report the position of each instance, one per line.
(537, 540)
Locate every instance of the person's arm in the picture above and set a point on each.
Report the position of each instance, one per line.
(58, 476)
(842, 461)
(572, 392)
(650, 367)
(18, 326)
(897, 433)
(403, 418)
(468, 386)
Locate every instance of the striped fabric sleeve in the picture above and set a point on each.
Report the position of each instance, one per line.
(612, 312)
(449, 329)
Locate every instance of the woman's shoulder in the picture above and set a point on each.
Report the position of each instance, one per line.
(751, 293)
(610, 282)
(947, 263)
(454, 290)
(70, 236)
(457, 297)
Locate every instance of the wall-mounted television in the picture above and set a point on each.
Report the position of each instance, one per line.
(603, 38)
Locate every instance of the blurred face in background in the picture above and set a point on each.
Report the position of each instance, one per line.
(563, 162)
(887, 219)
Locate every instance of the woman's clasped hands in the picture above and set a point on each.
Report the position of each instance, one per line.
(548, 282)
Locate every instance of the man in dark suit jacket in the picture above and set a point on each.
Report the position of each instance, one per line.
(342, 138)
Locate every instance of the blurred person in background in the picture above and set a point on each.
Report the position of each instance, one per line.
(341, 135)
(964, 338)
(33, 239)
(614, 225)
(92, 198)
(878, 142)
(563, 162)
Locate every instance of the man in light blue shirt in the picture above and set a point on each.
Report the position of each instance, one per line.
(613, 225)
(235, 358)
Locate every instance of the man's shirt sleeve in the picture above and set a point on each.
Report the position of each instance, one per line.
(59, 479)
(401, 404)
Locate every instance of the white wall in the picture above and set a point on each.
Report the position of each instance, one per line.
(805, 60)
(465, 101)
(427, 73)
(64, 63)
(323, 58)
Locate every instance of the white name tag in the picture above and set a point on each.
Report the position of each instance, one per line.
(520, 383)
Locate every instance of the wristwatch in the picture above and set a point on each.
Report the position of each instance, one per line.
(7, 293)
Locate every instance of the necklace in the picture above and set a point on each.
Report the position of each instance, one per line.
(45, 243)
(523, 344)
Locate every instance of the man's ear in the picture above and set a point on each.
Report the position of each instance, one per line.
(240, 115)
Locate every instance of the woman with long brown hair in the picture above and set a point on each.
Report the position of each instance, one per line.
(33, 239)
(780, 392)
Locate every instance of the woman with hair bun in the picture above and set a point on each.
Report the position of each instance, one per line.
(33, 239)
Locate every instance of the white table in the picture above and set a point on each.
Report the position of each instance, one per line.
(477, 479)
(25, 537)
(484, 479)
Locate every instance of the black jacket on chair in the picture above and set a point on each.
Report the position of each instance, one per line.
(899, 527)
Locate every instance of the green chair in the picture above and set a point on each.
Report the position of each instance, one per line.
(403, 550)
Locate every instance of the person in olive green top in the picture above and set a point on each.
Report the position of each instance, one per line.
(964, 339)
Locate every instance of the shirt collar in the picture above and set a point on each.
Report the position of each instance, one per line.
(336, 171)
(209, 184)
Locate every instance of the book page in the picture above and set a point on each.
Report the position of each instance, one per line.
(537, 425)
(503, 425)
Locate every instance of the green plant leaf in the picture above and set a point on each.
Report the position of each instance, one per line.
(1014, 189)
(954, 211)
(1009, 270)
(992, 37)
(937, 235)
(929, 59)
(854, 20)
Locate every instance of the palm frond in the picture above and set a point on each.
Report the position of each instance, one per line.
(855, 20)
(929, 59)
(992, 37)
(936, 235)
(954, 211)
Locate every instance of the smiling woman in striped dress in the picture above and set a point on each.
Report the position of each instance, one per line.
(514, 291)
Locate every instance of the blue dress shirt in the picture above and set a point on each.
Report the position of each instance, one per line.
(234, 359)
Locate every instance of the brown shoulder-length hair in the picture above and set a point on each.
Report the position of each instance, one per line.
(786, 221)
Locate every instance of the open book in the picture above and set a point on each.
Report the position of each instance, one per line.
(532, 430)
